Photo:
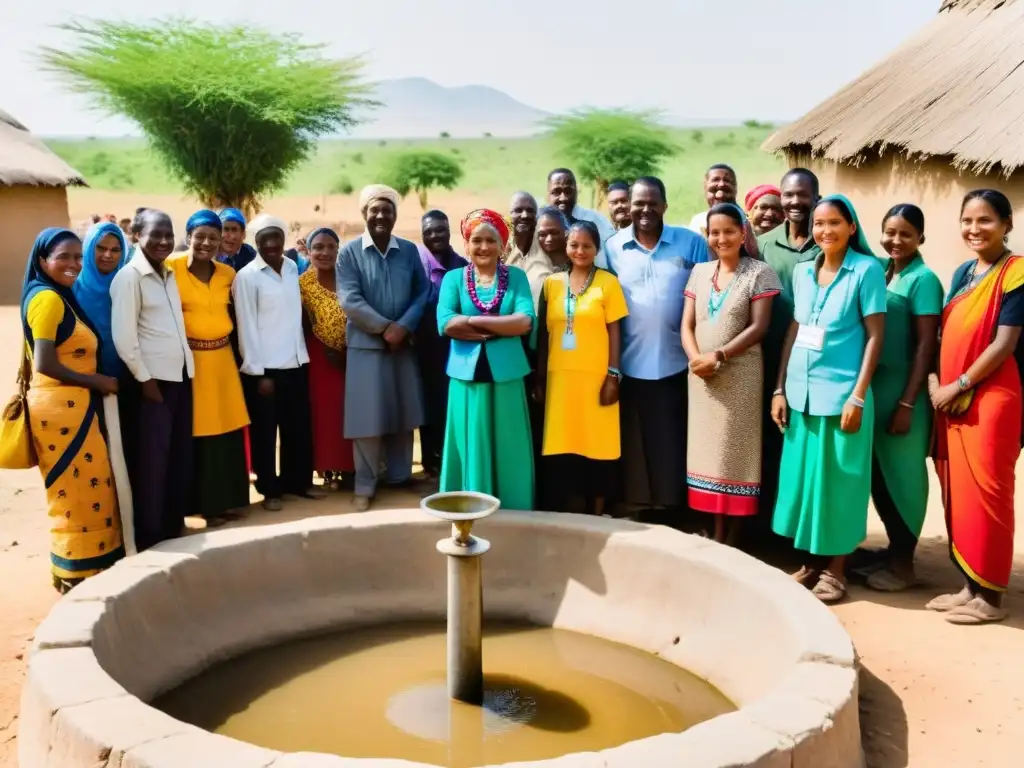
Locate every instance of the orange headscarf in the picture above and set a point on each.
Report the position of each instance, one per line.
(489, 217)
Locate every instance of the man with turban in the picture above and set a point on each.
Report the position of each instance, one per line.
(383, 290)
(275, 367)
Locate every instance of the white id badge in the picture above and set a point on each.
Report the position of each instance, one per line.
(810, 337)
(568, 342)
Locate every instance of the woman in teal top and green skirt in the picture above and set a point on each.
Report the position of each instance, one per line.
(823, 401)
(487, 309)
(903, 411)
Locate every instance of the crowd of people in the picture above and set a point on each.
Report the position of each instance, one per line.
(762, 364)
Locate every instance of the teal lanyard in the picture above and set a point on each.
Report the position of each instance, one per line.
(816, 308)
(570, 299)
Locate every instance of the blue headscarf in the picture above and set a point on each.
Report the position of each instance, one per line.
(859, 241)
(92, 290)
(36, 280)
(204, 218)
(233, 214)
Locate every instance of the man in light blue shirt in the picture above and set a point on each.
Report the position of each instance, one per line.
(563, 194)
(653, 262)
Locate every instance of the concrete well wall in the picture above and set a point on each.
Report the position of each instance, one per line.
(156, 619)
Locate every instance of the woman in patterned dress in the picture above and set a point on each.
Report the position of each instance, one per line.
(64, 405)
(728, 306)
(325, 341)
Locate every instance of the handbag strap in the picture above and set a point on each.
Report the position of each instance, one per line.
(24, 371)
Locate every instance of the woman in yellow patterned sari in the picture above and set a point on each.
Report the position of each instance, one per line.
(65, 413)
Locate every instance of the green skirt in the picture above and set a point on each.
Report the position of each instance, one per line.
(902, 458)
(825, 483)
(488, 445)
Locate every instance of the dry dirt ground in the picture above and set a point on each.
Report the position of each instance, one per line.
(933, 695)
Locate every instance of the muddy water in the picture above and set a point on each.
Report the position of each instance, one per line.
(379, 692)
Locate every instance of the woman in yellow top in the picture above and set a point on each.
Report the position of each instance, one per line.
(578, 370)
(325, 342)
(219, 417)
(64, 406)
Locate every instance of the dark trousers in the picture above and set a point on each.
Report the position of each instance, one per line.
(902, 541)
(653, 420)
(286, 413)
(161, 488)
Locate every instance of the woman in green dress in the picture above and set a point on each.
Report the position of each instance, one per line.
(903, 412)
(486, 309)
(823, 400)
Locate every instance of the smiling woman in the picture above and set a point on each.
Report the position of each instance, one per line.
(220, 481)
(64, 402)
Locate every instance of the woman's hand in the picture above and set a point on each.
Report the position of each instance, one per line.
(540, 386)
(336, 358)
(850, 420)
(944, 397)
(900, 421)
(933, 384)
(610, 390)
(105, 385)
(780, 411)
(704, 366)
(460, 328)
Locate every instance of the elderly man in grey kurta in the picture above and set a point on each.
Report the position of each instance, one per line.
(383, 289)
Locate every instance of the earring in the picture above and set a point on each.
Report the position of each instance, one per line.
(1006, 239)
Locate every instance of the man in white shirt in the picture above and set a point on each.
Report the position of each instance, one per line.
(563, 194)
(149, 334)
(275, 367)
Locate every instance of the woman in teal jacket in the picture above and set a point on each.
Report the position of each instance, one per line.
(487, 310)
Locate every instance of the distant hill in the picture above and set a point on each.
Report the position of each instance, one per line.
(415, 107)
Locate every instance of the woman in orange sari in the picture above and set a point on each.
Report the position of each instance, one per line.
(978, 405)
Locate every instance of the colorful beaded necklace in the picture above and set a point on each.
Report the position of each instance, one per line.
(493, 306)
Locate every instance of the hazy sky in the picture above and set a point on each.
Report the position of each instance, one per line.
(695, 59)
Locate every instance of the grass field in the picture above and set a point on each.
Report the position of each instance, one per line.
(492, 165)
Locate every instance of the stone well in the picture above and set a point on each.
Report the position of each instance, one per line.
(154, 620)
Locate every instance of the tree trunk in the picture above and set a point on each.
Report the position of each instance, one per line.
(422, 193)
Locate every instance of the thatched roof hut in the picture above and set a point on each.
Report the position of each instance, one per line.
(938, 117)
(33, 196)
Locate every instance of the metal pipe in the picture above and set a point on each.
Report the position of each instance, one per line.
(465, 629)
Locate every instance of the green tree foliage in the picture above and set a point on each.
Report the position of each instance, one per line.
(230, 110)
(603, 145)
(420, 171)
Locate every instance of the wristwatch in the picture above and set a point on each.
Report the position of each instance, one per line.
(963, 382)
(615, 372)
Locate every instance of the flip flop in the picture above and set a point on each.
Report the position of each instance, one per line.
(887, 581)
(944, 603)
(977, 611)
(829, 589)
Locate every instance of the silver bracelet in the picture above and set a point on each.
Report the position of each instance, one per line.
(855, 401)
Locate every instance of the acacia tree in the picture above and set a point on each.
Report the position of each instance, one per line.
(421, 171)
(603, 145)
(230, 110)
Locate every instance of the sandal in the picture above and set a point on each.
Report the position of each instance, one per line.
(977, 611)
(806, 577)
(829, 589)
(944, 603)
(887, 580)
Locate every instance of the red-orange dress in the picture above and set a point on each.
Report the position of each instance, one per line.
(977, 450)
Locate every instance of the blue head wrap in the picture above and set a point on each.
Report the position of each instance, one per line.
(36, 280)
(203, 218)
(859, 241)
(322, 231)
(92, 289)
(233, 214)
